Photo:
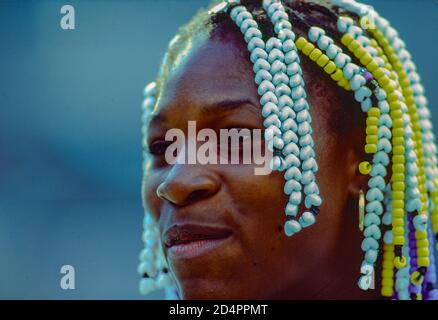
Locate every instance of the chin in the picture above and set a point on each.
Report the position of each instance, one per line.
(205, 289)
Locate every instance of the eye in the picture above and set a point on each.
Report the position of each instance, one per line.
(159, 147)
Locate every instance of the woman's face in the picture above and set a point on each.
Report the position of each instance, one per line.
(213, 84)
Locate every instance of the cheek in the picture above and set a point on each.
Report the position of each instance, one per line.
(151, 202)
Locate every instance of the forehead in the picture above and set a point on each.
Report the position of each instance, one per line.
(207, 71)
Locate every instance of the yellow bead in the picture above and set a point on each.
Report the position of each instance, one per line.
(423, 262)
(372, 66)
(398, 150)
(400, 262)
(315, 54)
(372, 130)
(398, 195)
(399, 240)
(371, 148)
(374, 112)
(353, 46)
(365, 168)
(398, 213)
(392, 97)
(322, 60)
(416, 278)
(422, 243)
(398, 123)
(398, 204)
(372, 139)
(399, 132)
(386, 291)
(398, 177)
(398, 231)
(420, 235)
(342, 82)
(387, 282)
(398, 186)
(360, 52)
(387, 274)
(398, 141)
(330, 67)
(398, 159)
(395, 105)
(338, 75)
(423, 252)
(378, 73)
(398, 168)
(372, 121)
(301, 42)
(308, 48)
(347, 39)
(383, 80)
(399, 224)
(366, 60)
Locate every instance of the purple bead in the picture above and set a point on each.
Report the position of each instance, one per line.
(368, 76)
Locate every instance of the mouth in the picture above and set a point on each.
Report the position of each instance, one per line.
(190, 241)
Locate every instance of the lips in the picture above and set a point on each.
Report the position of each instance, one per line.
(191, 233)
(191, 240)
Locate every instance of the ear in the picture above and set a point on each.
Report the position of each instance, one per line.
(355, 155)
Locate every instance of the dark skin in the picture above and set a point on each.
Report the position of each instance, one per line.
(258, 261)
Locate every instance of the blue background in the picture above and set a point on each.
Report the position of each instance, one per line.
(70, 143)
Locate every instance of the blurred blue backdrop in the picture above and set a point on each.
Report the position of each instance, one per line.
(70, 151)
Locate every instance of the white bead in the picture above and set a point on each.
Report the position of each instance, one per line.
(252, 33)
(333, 51)
(296, 80)
(307, 177)
(314, 33)
(387, 238)
(307, 219)
(310, 164)
(306, 153)
(262, 75)
(291, 57)
(350, 70)
(146, 285)
(293, 69)
(312, 200)
(290, 136)
(311, 188)
(289, 124)
(282, 89)
(291, 186)
(304, 128)
(363, 93)
(286, 102)
(295, 198)
(293, 173)
(269, 108)
(301, 104)
(291, 210)
(291, 227)
(298, 92)
(366, 105)
(278, 66)
(420, 222)
(291, 148)
(357, 81)
(292, 161)
(324, 42)
(413, 205)
(265, 86)
(255, 43)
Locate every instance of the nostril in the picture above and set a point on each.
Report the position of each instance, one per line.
(198, 195)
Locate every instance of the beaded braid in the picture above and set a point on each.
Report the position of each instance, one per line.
(388, 89)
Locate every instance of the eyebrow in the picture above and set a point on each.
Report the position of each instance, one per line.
(223, 106)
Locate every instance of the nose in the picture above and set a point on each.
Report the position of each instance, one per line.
(186, 184)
